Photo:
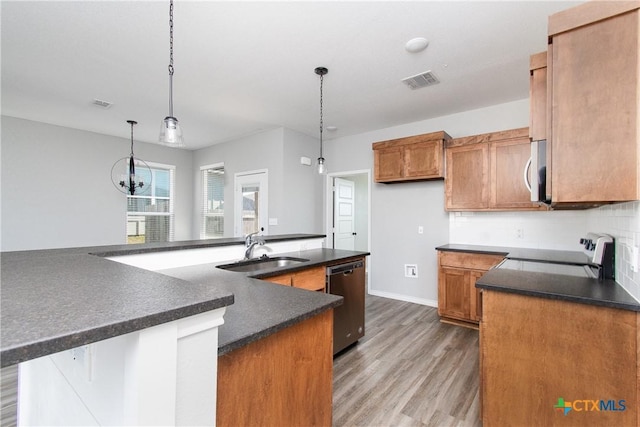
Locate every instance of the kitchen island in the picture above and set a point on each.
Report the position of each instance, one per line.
(565, 347)
(64, 299)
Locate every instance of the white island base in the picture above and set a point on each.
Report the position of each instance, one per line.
(163, 375)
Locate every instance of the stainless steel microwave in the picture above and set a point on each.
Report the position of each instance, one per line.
(536, 174)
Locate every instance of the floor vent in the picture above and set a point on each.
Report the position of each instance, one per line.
(421, 80)
(101, 103)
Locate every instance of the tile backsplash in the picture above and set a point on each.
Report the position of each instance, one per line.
(622, 221)
(556, 230)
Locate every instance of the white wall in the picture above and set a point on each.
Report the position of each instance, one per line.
(294, 189)
(398, 209)
(57, 190)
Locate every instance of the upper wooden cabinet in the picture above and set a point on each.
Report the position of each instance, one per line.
(486, 172)
(538, 96)
(412, 158)
(593, 77)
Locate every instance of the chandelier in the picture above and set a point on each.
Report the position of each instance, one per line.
(131, 175)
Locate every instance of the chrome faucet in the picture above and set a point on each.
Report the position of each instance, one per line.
(251, 241)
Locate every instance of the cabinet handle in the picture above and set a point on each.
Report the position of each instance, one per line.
(526, 175)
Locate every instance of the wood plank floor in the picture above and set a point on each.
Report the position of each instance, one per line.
(408, 370)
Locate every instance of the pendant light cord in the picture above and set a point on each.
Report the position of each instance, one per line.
(171, 58)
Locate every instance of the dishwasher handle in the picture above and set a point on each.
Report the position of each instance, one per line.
(344, 268)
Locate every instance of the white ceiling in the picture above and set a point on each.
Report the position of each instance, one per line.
(244, 67)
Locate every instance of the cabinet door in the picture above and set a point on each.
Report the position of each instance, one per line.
(389, 163)
(475, 311)
(453, 293)
(538, 96)
(312, 279)
(508, 162)
(467, 177)
(594, 129)
(424, 160)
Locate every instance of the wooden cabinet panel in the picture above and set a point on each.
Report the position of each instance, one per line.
(312, 279)
(595, 75)
(475, 309)
(389, 163)
(412, 158)
(469, 260)
(538, 96)
(424, 159)
(453, 292)
(459, 301)
(486, 172)
(530, 345)
(281, 279)
(284, 379)
(467, 180)
(508, 162)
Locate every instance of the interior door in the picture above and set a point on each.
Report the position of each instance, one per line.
(250, 202)
(344, 236)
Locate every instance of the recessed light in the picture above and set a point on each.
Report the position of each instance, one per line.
(331, 128)
(416, 45)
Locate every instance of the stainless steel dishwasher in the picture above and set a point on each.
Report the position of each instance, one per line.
(347, 280)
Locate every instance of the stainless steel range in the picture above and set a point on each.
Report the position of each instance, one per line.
(599, 262)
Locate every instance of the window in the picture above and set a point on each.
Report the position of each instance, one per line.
(150, 216)
(212, 201)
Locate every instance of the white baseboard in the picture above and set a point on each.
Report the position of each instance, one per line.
(407, 298)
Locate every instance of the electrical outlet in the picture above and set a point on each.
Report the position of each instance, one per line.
(411, 270)
(519, 233)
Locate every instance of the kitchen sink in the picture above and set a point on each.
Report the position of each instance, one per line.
(263, 263)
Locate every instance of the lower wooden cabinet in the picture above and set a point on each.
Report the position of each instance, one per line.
(312, 279)
(459, 301)
(568, 364)
(284, 379)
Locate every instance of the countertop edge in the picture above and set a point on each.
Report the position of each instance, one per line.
(243, 341)
(11, 356)
(561, 297)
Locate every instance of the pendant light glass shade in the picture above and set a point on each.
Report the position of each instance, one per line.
(322, 168)
(170, 130)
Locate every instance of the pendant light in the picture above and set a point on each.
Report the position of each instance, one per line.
(131, 175)
(170, 130)
(322, 168)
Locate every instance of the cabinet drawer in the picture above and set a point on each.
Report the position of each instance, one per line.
(312, 279)
(469, 261)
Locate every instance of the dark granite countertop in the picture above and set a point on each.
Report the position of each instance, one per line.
(545, 255)
(56, 299)
(262, 308)
(606, 293)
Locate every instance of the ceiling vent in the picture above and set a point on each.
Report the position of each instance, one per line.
(102, 104)
(421, 80)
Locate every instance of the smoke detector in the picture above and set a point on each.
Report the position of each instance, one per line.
(421, 80)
